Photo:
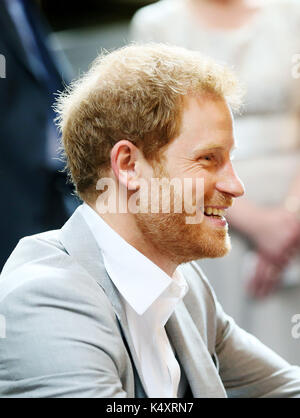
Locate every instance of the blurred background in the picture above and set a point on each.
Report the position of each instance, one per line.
(82, 29)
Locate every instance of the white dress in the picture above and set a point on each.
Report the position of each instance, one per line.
(268, 139)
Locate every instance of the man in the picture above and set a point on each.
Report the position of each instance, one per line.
(112, 305)
(36, 195)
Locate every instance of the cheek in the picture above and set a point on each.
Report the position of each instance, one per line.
(209, 185)
(203, 184)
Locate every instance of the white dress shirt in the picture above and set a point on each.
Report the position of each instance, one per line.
(149, 297)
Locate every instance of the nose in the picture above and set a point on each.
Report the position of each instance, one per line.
(229, 182)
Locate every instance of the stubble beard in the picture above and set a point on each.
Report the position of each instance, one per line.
(177, 240)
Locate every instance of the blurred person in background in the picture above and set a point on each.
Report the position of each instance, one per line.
(35, 196)
(259, 38)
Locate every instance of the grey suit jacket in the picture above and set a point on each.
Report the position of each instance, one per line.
(67, 334)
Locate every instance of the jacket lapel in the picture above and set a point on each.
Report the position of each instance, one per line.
(79, 242)
(193, 355)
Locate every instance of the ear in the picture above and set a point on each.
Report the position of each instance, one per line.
(124, 158)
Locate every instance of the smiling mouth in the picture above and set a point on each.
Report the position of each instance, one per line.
(214, 212)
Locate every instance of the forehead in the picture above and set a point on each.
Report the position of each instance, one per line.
(206, 123)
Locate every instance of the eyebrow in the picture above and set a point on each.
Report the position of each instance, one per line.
(210, 148)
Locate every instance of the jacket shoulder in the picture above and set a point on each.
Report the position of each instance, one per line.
(40, 262)
(62, 335)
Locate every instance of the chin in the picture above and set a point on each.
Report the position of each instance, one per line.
(218, 252)
(216, 247)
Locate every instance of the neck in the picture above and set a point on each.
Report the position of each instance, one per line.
(125, 225)
(224, 2)
(228, 4)
(224, 14)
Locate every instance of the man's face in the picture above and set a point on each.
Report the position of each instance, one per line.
(201, 151)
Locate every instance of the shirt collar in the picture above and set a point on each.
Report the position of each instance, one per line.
(137, 278)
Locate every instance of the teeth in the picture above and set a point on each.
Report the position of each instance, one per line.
(214, 211)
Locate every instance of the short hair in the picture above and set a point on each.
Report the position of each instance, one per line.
(134, 93)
